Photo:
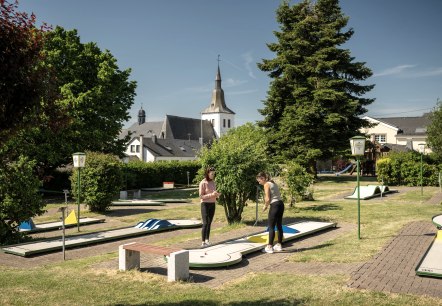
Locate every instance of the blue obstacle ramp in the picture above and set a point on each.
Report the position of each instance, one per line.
(286, 230)
(27, 225)
(345, 169)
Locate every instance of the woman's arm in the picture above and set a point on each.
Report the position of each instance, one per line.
(266, 195)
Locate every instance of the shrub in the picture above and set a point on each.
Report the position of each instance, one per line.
(298, 180)
(101, 180)
(19, 198)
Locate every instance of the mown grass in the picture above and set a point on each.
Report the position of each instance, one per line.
(80, 282)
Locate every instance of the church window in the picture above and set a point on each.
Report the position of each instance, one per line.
(224, 123)
(132, 148)
(228, 123)
(138, 148)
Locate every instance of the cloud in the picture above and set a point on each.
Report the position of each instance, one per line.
(243, 92)
(394, 70)
(248, 58)
(404, 72)
(232, 82)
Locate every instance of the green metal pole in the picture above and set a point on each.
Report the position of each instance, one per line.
(359, 201)
(422, 178)
(78, 199)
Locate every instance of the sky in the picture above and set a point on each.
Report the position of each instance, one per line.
(172, 48)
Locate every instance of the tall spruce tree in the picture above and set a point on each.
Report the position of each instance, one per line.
(314, 102)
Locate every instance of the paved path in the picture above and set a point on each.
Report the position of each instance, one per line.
(393, 269)
(254, 262)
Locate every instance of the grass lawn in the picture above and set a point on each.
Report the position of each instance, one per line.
(78, 282)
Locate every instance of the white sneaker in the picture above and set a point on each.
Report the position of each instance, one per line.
(267, 249)
(207, 243)
(277, 247)
(203, 244)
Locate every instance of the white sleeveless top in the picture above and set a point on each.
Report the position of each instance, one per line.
(275, 195)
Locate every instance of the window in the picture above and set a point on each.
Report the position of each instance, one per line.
(228, 123)
(138, 148)
(132, 148)
(224, 123)
(380, 138)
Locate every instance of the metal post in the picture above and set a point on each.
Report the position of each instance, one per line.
(422, 177)
(78, 199)
(359, 200)
(62, 209)
(188, 182)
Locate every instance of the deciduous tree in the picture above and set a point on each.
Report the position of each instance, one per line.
(238, 157)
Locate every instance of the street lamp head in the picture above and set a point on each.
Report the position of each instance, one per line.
(357, 144)
(79, 159)
(421, 147)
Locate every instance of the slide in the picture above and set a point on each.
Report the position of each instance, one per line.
(349, 166)
(431, 263)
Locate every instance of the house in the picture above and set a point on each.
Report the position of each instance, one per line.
(179, 138)
(399, 133)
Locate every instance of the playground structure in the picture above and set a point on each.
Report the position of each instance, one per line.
(370, 191)
(70, 221)
(431, 262)
(349, 166)
(147, 227)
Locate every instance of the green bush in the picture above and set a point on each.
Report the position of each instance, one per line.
(101, 180)
(298, 180)
(19, 198)
(405, 169)
(146, 175)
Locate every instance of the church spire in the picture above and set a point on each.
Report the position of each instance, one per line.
(141, 116)
(218, 104)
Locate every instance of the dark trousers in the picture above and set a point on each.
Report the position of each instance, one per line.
(207, 213)
(275, 218)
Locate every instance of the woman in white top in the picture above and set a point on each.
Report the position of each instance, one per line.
(272, 198)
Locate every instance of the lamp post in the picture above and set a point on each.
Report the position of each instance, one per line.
(79, 162)
(357, 144)
(422, 151)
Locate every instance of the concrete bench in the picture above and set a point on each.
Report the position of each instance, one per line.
(177, 262)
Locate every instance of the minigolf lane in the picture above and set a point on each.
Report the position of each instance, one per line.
(147, 227)
(231, 252)
(431, 263)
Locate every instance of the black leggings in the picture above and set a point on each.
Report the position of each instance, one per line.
(275, 218)
(207, 213)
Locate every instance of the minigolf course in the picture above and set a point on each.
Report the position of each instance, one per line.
(137, 203)
(231, 252)
(431, 262)
(369, 191)
(70, 221)
(147, 227)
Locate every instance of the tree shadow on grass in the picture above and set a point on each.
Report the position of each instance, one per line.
(322, 207)
(208, 302)
(122, 212)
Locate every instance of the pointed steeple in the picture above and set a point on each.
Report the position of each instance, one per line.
(218, 104)
(141, 116)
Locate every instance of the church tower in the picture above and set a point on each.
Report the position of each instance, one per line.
(141, 116)
(221, 117)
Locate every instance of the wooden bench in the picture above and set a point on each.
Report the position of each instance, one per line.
(177, 262)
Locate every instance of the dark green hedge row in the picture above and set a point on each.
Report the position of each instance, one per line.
(147, 175)
(405, 169)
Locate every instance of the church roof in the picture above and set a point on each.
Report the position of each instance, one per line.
(171, 147)
(173, 127)
(218, 103)
(176, 127)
